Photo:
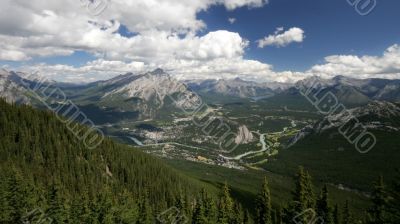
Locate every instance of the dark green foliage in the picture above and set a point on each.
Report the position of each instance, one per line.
(347, 215)
(203, 207)
(336, 215)
(263, 205)
(57, 209)
(303, 198)
(378, 212)
(394, 201)
(246, 217)
(145, 213)
(16, 196)
(323, 208)
(44, 167)
(225, 207)
(210, 208)
(278, 215)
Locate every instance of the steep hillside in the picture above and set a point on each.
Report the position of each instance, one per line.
(324, 149)
(51, 170)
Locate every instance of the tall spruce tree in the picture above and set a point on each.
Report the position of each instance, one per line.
(246, 217)
(225, 207)
(309, 197)
(336, 215)
(237, 217)
(279, 215)
(377, 214)
(210, 209)
(199, 216)
(322, 208)
(347, 214)
(145, 213)
(263, 205)
(56, 208)
(303, 199)
(394, 202)
(13, 197)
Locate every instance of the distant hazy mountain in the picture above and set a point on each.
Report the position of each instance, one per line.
(11, 88)
(149, 94)
(352, 91)
(237, 87)
(349, 91)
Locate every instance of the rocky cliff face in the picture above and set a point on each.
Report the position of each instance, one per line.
(150, 91)
(244, 135)
(154, 85)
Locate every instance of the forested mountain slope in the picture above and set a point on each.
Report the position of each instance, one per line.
(43, 166)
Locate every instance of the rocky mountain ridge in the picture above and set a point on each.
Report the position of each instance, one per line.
(237, 87)
(376, 115)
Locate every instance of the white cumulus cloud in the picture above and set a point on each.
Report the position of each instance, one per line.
(161, 28)
(385, 66)
(282, 38)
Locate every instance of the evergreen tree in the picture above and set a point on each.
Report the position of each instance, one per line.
(336, 215)
(56, 208)
(180, 203)
(128, 210)
(246, 217)
(106, 210)
(394, 202)
(347, 215)
(199, 216)
(322, 208)
(13, 198)
(378, 212)
(210, 210)
(309, 197)
(79, 210)
(145, 214)
(225, 207)
(303, 199)
(205, 210)
(263, 205)
(237, 214)
(279, 215)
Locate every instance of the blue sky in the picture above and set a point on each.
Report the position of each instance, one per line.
(140, 36)
(331, 27)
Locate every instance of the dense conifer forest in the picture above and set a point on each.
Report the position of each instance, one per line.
(48, 176)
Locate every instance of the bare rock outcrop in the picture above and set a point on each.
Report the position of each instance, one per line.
(244, 135)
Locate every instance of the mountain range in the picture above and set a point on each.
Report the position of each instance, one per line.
(355, 91)
(237, 87)
(157, 94)
(146, 93)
